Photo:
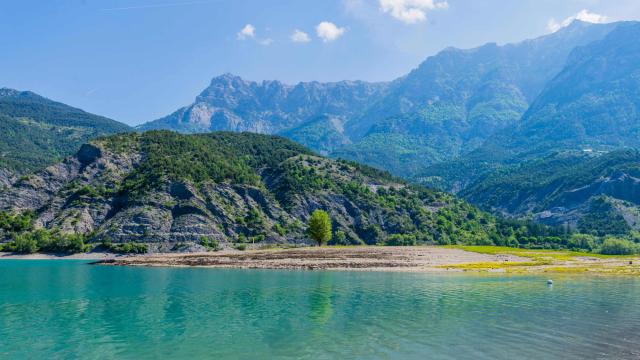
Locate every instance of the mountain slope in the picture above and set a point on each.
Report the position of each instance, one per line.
(456, 100)
(489, 77)
(593, 103)
(169, 190)
(592, 192)
(322, 133)
(36, 132)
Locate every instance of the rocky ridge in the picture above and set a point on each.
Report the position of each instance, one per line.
(247, 188)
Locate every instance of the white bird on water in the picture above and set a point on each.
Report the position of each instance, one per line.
(549, 282)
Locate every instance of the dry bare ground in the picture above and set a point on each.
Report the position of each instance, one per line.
(421, 258)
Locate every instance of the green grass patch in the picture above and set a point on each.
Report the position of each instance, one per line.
(560, 255)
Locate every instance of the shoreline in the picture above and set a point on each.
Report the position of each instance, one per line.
(444, 259)
(97, 256)
(357, 258)
(399, 259)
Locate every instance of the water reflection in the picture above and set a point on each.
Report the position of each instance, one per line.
(69, 310)
(320, 307)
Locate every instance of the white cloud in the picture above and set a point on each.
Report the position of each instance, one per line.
(328, 31)
(248, 31)
(411, 11)
(300, 36)
(583, 15)
(266, 42)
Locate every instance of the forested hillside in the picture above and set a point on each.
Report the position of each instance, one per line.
(594, 193)
(37, 132)
(173, 192)
(593, 103)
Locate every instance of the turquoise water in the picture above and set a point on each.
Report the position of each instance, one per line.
(68, 309)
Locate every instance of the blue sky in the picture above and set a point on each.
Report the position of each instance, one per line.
(137, 60)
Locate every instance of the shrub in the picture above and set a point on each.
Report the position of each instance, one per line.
(16, 223)
(340, 238)
(212, 244)
(581, 242)
(25, 244)
(371, 234)
(47, 242)
(241, 247)
(617, 246)
(68, 243)
(128, 248)
(279, 229)
(400, 240)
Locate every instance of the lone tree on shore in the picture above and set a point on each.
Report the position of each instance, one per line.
(319, 227)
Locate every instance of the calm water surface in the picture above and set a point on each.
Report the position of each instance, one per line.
(68, 309)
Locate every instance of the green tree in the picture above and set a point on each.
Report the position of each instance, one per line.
(581, 242)
(319, 227)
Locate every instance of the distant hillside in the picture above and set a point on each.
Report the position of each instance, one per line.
(172, 191)
(322, 133)
(591, 105)
(592, 192)
(36, 132)
(456, 100)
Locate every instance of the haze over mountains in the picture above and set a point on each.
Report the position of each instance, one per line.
(592, 103)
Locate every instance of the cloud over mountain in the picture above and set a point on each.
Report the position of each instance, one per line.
(583, 15)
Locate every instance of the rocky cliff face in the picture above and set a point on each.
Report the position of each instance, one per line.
(168, 190)
(6, 178)
(233, 104)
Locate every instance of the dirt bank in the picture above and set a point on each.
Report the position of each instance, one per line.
(423, 258)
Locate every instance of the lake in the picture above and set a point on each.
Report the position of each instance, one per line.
(69, 309)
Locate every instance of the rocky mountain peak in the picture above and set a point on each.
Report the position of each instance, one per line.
(6, 92)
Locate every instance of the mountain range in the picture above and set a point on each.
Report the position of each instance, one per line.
(233, 104)
(543, 130)
(463, 117)
(445, 108)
